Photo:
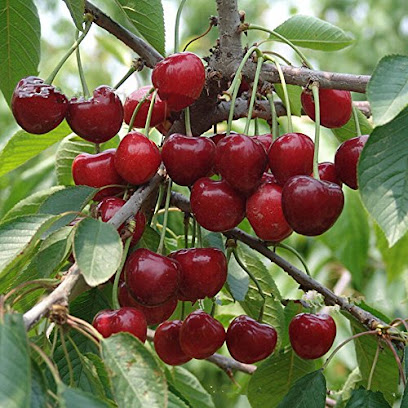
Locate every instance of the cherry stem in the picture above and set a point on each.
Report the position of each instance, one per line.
(177, 25)
(158, 204)
(296, 253)
(87, 327)
(200, 36)
(274, 116)
(193, 235)
(98, 149)
(183, 310)
(213, 307)
(85, 89)
(28, 291)
(53, 369)
(149, 114)
(277, 55)
(67, 358)
(370, 377)
(85, 333)
(256, 126)
(199, 236)
(160, 248)
(399, 321)
(45, 283)
(315, 91)
(128, 74)
(187, 121)
(356, 121)
(138, 106)
(74, 46)
(253, 94)
(232, 106)
(397, 359)
(186, 222)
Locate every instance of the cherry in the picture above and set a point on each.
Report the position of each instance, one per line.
(335, 106)
(152, 279)
(264, 213)
(167, 343)
(38, 107)
(188, 158)
(249, 341)
(312, 335)
(241, 161)
(346, 160)
(179, 79)
(97, 170)
(265, 139)
(97, 119)
(159, 113)
(137, 158)
(290, 155)
(327, 172)
(201, 335)
(203, 272)
(216, 205)
(164, 127)
(311, 206)
(125, 319)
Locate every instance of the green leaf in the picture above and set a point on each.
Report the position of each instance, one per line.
(362, 398)
(150, 239)
(349, 129)
(307, 392)
(77, 10)
(176, 402)
(97, 249)
(294, 92)
(74, 398)
(238, 280)
(24, 146)
(20, 34)
(15, 370)
(38, 387)
(404, 402)
(275, 376)
(213, 240)
(137, 378)
(387, 90)
(311, 32)
(382, 176)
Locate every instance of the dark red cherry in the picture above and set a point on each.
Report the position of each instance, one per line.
(137, 158)
(327, 172)
(125, 319)
(290, 155)
(203, 272)
(97, 119)
(97, 170)
(346, 160)
(311, 206)
(265, 140)
(179, 79)
(201, 335)
(312, 335)
(167, 343)
(188, 158)
(264, 213)
(249, 341)
(241, 161)
(335, 106)
(38, 107)
(216, 205)
(164, 127)
(152, 279)
(159, 113)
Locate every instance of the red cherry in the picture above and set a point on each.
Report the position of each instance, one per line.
(335, 106)
(327, 172)
(311, 206)
(201, 335)
(290, 155)
(265, 139)
(216, 205)
(167, 343)
(203, 272)
(159, 113)
(249, 341)
(97, 119)
(97, 170)
(38, 107)
(312, 335)
(346, 160)
(152, 279)
(137, 158)
(125, 319)
(264, 213)
(241, 161)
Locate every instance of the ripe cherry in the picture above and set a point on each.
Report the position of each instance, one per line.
(290, 155)
(167, 343)
(137, 158)
(249, 341)
(203, 272)
(311, 206)
(97, 119)
(312, 335)
(346, 160)
(216, 205)
(97, 170)
(179, 79)
(265, 139)
(125, 319)
(201, 335)
(38, 107)
(159, 113)
(327, 172)
(264, 213)
(188, 158)
(152, 279)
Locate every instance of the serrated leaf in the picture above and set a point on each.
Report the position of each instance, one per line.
(38, 387)
(24, 146)
(311, 32)
(362, 398)
(383, 174)
(176, 402)
(77, 10)
(238, 280)
(294, 92)
(20, 34)
(137, 378)
(97, 249)
(74, 398)
(387, 90)
(213, 240)
(349, 129)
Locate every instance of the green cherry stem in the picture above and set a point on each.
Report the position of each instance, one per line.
(296, 253)
(115, 289)
(356, 121)
(67, 358)
(213, 307)
(128, 74)
(158, 203)
(138, 106)
(256, 126)
(177, 26)
(85, 89)
(315, 91)
(232, 106)
(193, 235)
(186, 222)
(53, 369)
(149, 114)
(275, 131)
(160, 248)
(187, 121)
(275, 54)
(370, 377)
